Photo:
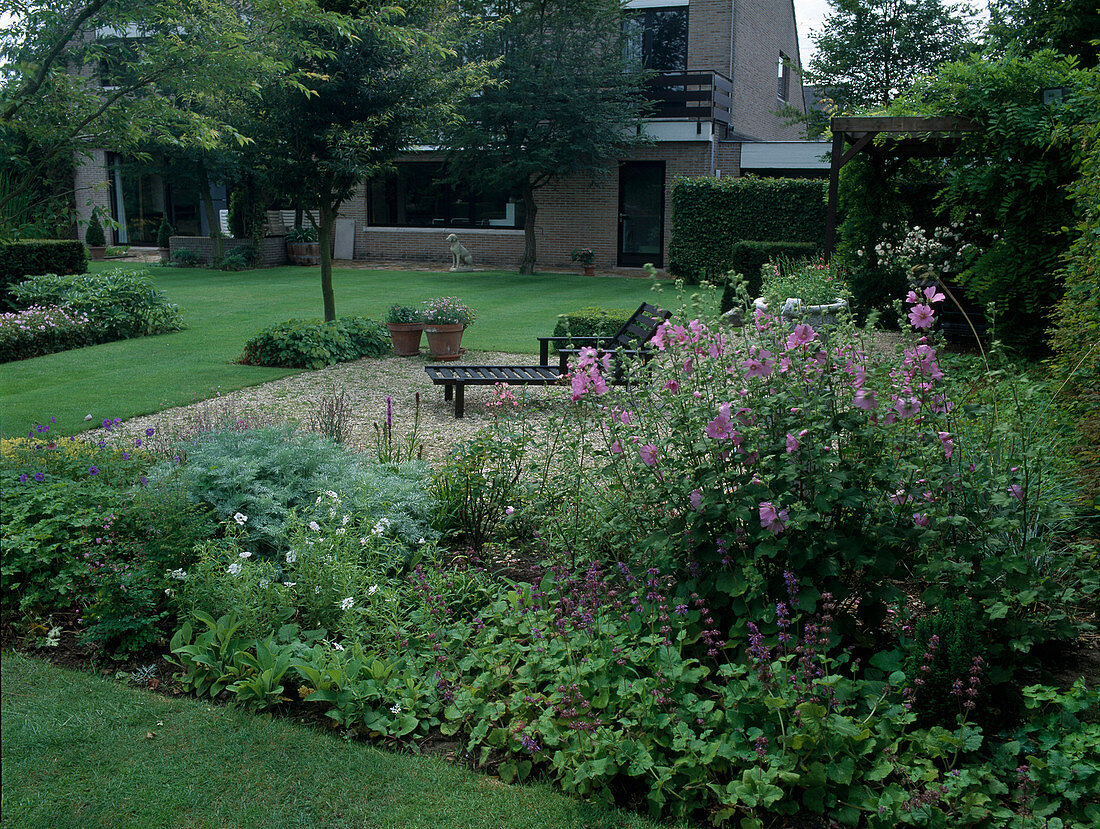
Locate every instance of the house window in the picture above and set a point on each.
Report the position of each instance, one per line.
(784, 79)
(657, 38)
(417, 196)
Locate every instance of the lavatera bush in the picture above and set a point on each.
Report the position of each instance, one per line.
(741, 454)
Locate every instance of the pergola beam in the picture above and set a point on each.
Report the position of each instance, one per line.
(903, 136)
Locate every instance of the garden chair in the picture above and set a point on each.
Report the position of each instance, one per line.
(629, 341)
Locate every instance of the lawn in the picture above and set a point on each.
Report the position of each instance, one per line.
(223, 309)
(80, 750)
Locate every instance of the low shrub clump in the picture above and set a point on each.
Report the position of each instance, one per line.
(82, 528)
(119, 304)
(272, 474)
(300, 343)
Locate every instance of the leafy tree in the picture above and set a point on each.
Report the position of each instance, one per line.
(1071, 27)
(563, 100)
(1008, 181)
(388, 77)
(869, 51)
(116, 74)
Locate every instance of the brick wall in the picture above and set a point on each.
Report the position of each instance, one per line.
(272, 249)
(763, 29)
(572, 213)
(92, 189)
(709, 35)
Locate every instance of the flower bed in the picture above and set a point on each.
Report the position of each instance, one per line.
(42, 330)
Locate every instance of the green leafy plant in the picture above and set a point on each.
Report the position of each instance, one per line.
(164, 233)
(302, 235)
(271, 473)
(405, 314)
(185, 258)
(583, 256)
(815, 283)
(302, 343)
(239, 259)
(120, 303)
(592, 321)
(709, 216)
(94, 236)
(476, 486)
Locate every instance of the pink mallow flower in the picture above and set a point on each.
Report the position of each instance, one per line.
(1016, 491)
(721, 427)
(920, 519)
(696, 499)
(933, 295)
(801, 335)
(772, 519)
(760, 366)
(921, 316)
(864, 400)
(792, 441)
(948, 443)
(648, 454)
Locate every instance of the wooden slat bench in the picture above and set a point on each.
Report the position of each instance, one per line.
(629, 342)
(454, 379)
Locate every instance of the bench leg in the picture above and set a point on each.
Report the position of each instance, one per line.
(448, 391)
(460, 394)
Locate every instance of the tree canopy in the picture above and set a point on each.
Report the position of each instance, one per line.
(562, 99)
(869, 51)
(121, 74)
(389, 77)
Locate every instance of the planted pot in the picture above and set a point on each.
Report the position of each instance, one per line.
(303, 253)
(97, 252)
(165, 255)
(818, 317)
(405, 337)
(444, 341)
(589, 270)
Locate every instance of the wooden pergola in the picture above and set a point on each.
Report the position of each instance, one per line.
(899, 137)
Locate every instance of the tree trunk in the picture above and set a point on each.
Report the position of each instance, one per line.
(210, 213)
(324, 237)
(527, 263)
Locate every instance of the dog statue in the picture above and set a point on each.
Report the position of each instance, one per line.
(461, 260)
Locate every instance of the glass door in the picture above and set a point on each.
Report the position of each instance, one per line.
(641, 213)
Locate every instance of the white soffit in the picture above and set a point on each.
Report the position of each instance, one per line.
(655, 4)
(678, 130)
(784, 155)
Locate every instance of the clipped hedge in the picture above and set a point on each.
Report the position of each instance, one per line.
(29, 257)
(592, 321)
(709, 216)
(302, 343)
(749, 257)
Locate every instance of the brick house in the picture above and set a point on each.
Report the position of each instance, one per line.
(724, 72)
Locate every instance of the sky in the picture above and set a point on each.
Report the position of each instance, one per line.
(809, 15)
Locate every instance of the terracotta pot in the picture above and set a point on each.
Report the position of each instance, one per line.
(304, 253)
(406, 337)
(444, 341)
(589, 270)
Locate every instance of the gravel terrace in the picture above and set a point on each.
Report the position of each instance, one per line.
(366, 384)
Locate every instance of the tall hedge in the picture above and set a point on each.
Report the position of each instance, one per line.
(33, 257)
(710, 215)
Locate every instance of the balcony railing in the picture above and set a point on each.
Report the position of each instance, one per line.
(702, 95)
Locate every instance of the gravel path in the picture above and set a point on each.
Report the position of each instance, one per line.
(365, 385)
